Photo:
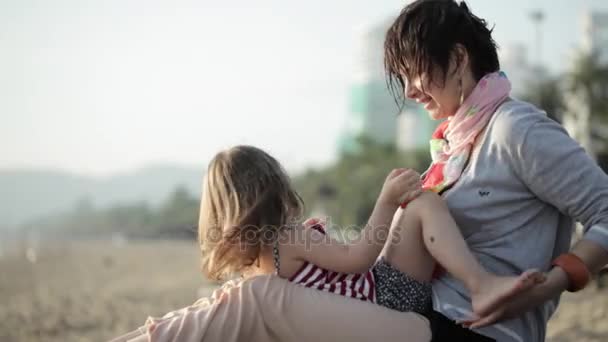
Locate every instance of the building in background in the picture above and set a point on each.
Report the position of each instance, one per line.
(373, 112)
(577, 119)
(514, 62)
(522, 73)
(414, 128)
(595, 34)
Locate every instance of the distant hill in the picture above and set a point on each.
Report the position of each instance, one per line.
(27, 194)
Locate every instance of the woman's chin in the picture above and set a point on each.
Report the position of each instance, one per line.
(436, 114)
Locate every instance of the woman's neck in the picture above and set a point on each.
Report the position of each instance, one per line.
(468, 84)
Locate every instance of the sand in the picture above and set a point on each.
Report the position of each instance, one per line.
(92, 291)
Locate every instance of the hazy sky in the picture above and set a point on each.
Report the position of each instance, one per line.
(111, 85)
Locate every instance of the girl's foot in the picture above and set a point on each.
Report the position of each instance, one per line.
(494, 290)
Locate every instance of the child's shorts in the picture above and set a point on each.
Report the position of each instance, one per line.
(398, 291)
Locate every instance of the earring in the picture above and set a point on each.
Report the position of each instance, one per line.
(461, 92)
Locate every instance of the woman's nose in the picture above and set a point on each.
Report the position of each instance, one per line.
(411, 91)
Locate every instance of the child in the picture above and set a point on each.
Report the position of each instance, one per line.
(248, 226)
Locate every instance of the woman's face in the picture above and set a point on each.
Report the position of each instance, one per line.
(440, 101)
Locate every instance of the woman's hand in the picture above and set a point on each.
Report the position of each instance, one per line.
(401, 185)
(555, 284)
(594, 256)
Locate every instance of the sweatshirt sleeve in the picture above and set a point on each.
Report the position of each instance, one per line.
(559, 171)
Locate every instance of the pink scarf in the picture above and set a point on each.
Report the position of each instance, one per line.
(453, 139)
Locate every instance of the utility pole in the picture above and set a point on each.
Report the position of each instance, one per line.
(537, 16)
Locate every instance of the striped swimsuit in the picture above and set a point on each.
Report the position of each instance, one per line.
(359, 286)
(383, 284)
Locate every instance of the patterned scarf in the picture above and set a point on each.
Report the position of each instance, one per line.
(452, 141)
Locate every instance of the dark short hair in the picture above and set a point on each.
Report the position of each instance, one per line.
(424, 36)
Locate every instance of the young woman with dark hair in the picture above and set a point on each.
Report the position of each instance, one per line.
(512, 178)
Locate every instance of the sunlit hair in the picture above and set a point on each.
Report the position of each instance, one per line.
(247, 197)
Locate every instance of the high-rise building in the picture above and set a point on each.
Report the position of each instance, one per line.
(577, 119)
(414, 127)
(595, 34)
(514, 62)
(374, 114)
(523, 74)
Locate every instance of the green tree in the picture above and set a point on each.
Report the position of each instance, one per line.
(178, 217)
(590, 77)
(356, 180)
(547, 95)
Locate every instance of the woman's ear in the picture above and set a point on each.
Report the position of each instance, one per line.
(459, 59)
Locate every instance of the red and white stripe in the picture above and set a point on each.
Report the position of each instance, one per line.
(359, 286)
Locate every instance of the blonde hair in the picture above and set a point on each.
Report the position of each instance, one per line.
(247, 197)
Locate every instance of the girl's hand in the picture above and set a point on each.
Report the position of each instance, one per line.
(401, 185)
(313, 221)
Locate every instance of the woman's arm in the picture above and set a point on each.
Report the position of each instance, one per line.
(594, 256)
(592, 253)
(358, 256)
(558, 171)
(554, 285)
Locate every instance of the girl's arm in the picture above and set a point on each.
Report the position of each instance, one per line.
(359, 255)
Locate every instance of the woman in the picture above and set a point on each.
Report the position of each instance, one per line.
(525, 179)
(513, 180)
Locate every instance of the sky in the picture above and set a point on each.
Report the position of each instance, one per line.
(108, 86)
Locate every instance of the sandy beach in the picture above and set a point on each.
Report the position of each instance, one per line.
(93, 291)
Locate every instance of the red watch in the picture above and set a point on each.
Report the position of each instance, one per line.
(576, 270)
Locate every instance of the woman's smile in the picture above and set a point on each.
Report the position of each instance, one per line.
(427, 102)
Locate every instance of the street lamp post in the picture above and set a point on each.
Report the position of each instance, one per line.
(537, 17)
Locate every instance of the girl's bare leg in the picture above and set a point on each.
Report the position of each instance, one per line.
(425, 232)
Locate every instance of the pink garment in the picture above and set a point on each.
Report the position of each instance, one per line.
(451, 143)
(268, 308)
